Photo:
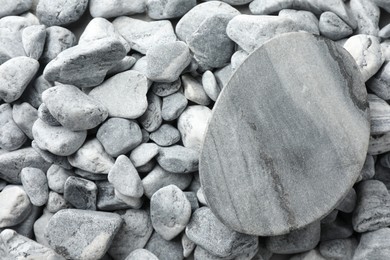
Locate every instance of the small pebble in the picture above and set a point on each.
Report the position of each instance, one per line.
(106, 199)
(173, 105)
(81, 193)
(178, 159)
(166, 135)
(114, 8)
(143, 154)
(338, 249)
(188, 245)
(163, 89)
(61, 12)
(347, 205)
(56, 202)
(58, 39)
(35, 184)
(193, 90)
(333, 27)
(10, 45)
(164, 249)
(374, 245)
(304, 20)
(237, 59)
(56, 178)
(192, 198)
(125, 64)
(11, 136)
(368, 170)
(33, 38)
(336, 230)
(141, 254)
(152, 118)
(15, 206)
(210, 85)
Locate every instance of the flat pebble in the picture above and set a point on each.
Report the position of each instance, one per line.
(166, 61)
(12, 7)
(178, 159)
(192, 125)
(15, 74)
(210, 85)
(81, 193)
(11, 136)
(52, 158)
(152, 118)
(379, 115)
(193, 90)
(45, 115)
(205, 230)
(57, 139)
(33, 38)
(119, 136)
(143, 35)
(82, 234)
(173, 105)
(143, 153)
(251, 31)
(170, 211)
(141, 254)
(374, 245)
(35, 184)
(92, 157)
(133, 234)
(56, 202)
(166, 135)
(372, 210)
(58, 39)
(85, 65)
(163, 89)
(24, 115)
(163, 249)
(61, 12)
(114, 8)
(15, 205)
(333, 27)
(338, 248)
(159, 178)
(304, 20)
(56, 178)
(367, 52)
(367, 16)
(124, 95)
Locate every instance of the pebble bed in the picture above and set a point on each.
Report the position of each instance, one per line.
(101, 126)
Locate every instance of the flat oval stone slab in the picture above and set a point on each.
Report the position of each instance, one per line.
(287, 138)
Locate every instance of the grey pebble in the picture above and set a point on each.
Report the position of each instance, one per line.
(201, 197)
(237, 59)
(124, 95)
(125, 178)
(85, 65)
(381, 174)
(205, 230)
(141, 254)
(57, 139)
(379, 115)
(133, 234)
(192, 198)
(26, 227)
(223, 75)
(338, 249)
(56, 202)
(368, 170)
(11, 163)
(24, 115)
(159, 178)
(50, 157)
(114, 8)
(251, 31)
(106, 199)
(379, 144)
(210, 85)
(178, 159)
(21, 247)
(92, 157)
(170, 211)
(45, 115)
(35, 184)
(61, 12)
(367, 16)
(333, 27)
(380, 82)
(372, 210)
(187, 244)
(297, 241)
(163, 249)
(337, 229)
(173, 105)
(33, 93)
(142, 35)
(166, 61)
(12, 7)
(33, 38)
(152, 118)
(11, 136)
(15, 74)
(81, 193)
(40, 227)
(119, 136)
(15, 206)
(143, 153)
(304, 20)
(82, 234)
(193, 90)
(163, 89)
(347, 205)
(374, 245)
(145, 136)
(58, 39)
(165, 135)
(56, 178)
(158, 9)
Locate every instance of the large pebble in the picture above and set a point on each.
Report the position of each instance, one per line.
(114, 8)
(251, 31)
(35, 184)
(367, 52)
(119, 136)
(58, 39)
(165, 62)
(34, 38)
(125, 178)
(173, 105)
(333, 27)
(15, 205)
(141, 254)
(152, 118)
(159, 9)
(11, 136)
(15, 74)
(164, 249)
(192, 125)
(304, 20)
(178, 159)
(143, 154)
(81, 193)
(85, 65)
(367, 16)
(133, 234)
(82, 234)
(60, 12)
(166, 135)
(338, 248)
(57, 139)
(374, 245)
(13, 7)
(124, 95)
(170, 211)
(24, 116)
(372, 207)
(143, 35)
(379, 115)
(207, 231)
(73, 109)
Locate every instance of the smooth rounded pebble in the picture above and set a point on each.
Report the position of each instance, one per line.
(60, 12)
(11, 136)
(152, 118)
(141, 254)
(13, 7)
(114, 8)
(193, 90)
(173, 105)
(333, 27)
(81, 193)
(143, 153)
(15, 205)
(170, 211)
(166, 135)
(34, 182)
(210, 85)
(178, 159)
